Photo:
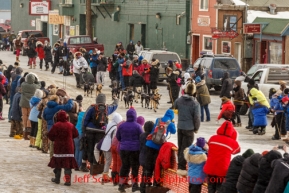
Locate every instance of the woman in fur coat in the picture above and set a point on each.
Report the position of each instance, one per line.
(62, 134)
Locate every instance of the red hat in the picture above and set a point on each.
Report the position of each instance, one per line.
(285, 98)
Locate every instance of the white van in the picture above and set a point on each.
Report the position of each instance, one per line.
(256, 67)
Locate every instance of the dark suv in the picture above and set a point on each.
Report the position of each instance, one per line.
(214, 67)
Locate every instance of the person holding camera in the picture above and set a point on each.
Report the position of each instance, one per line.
(79, 64)
(101, 68)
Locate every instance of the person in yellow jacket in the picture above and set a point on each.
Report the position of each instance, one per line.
(255, 93)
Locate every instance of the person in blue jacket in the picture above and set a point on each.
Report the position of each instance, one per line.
(53, 107)
(152, 149)
(16, 116)
(120, 62)
(196, 157)
(14, 85)
(77, 151)
(90, 131)
(93, 65)
(279, 116)
(260, 117)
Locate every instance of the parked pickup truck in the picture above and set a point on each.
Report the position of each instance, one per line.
(266, 79)
(74, 43)
(26, 33)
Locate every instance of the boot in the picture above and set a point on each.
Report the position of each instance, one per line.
(1, 117)
(105, 178)
(114, 177)
(27, 133)
(135, 187)
(57, 173)
(30, 66)
(121, 188)
(83, 167)
(67, 177)
(34, 66)
(17, 59)
(31, 142)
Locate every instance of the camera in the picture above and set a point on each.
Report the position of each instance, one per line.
(280, 146)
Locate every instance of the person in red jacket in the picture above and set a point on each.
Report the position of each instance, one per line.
(40, 51)
(144, 70)
(62, 134)
(227, 107)
(221, 147)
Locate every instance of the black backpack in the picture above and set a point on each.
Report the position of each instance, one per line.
(100, 118)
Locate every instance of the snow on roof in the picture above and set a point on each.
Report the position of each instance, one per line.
(253, 14)
(238, 2)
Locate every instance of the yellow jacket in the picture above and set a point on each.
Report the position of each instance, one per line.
(260, 97)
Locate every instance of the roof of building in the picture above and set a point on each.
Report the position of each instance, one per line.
(252, 15)
(5, 4)
(275, 25)
(279, 3)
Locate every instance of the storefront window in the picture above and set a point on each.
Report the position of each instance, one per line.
(257, 53)
(207, 43)
(275, 53)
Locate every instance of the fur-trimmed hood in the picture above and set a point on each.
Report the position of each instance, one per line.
(31, 77)
(155, 62)
(39, 43)
(195, 154)
(76, 53)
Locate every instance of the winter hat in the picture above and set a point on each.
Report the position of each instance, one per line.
(170, 62)
(155, 62)
(224, 99)
(286, 91)
(248, 153)
(282, 82)
(101, 98)
(16, 64)
(18, 70)
(43, 84)
(140, 58)
(198, 79)
(38, 93)
(79, 98)
(264, 152)
(148, 126)
(190, 89)
(251, 82)
(285, 98)
(201, 142)
(140, 120)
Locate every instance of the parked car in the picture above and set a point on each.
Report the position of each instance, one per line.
(266, 78)
(163, 56)
(256, 67)
(214, 67)
(74, 43)
(24, 34)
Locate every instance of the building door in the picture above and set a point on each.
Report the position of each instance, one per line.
(237, 52)
(143, 35)
(131, 32)
(264, 53)
(196, 48)
(82, 27)
(44, 29)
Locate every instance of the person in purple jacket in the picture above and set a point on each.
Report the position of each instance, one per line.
(128, 135)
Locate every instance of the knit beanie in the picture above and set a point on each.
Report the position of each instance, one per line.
(79, 98)
(248, 153)
(286, 91)
(38, 93)
(101, 98)
(201, 142)
(190, 89)
(264, 152)
(285, 98)
(18, 70)
(140, 120)
(148, 126)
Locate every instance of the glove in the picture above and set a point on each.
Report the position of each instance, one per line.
(80, 68)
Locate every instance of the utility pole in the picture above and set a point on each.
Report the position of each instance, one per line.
(88, 18)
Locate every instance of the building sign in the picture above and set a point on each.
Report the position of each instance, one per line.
(72, 30)
(33, 23)
(218, 33)
(226, 47)
(251, 28)
(37, 7)
(203, 21)
(55, 19)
